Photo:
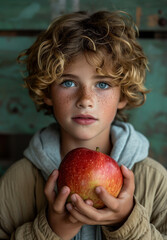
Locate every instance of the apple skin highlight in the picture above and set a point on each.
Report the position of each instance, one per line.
(82, 170)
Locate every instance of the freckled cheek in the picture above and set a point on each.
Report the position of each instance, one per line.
(104, 101)
(61, 103)
(107, 106)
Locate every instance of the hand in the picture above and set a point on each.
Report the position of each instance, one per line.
(116, 211)
(59, 219)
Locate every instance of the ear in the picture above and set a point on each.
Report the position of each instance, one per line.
(122, 103)
(48, 101)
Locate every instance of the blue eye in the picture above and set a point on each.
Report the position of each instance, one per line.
(102, 85)
(68, 84)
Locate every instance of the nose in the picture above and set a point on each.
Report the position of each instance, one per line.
(85, 98)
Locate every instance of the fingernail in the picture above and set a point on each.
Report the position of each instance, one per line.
(98, 190)
(64, 190)
(73, 198)
(54, 172)
(69, 207)
(89, 202)
(125, 167)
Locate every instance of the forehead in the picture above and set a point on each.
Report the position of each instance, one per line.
(76, 62)
(97, 63)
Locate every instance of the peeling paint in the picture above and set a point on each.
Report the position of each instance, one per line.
(152, 20)
(14, 106)
(59, 7)
(28, 12)
(138, 16)
(76, 5)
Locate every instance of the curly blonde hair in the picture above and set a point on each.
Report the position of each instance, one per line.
(108, 40)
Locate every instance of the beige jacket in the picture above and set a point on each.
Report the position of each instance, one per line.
(22, 205)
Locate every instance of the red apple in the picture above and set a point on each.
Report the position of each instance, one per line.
(82, 170)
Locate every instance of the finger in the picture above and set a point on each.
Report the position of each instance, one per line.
(89, 202)
(50, 186)
(59, 203)
(71, 218)
(128, 181)
(81, 218)
(77, 216)
(85, 209)
(108, 200)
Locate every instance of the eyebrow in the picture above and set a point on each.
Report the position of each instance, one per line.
(101, 77)
(69, 75)
(94, 76)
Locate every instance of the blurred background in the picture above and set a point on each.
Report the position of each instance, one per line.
(20, 23)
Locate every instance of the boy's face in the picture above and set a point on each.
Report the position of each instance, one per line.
(84, 102)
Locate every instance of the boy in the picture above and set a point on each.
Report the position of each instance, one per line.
(85, 70)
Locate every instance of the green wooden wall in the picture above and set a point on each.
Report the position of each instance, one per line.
(29, 14)
(19, 21)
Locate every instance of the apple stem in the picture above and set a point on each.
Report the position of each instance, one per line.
(97, 149)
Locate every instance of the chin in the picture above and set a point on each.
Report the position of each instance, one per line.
(80, 133)
(83, 135)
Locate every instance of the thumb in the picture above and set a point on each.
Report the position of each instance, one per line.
(128, 180)
(50, 186)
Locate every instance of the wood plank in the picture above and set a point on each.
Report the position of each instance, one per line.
(29, 14)
(148, 15)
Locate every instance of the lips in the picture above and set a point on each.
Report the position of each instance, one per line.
(84, 119)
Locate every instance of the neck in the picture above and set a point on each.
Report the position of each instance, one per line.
(68, 144)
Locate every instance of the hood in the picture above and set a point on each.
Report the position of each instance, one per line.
(129, 147)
